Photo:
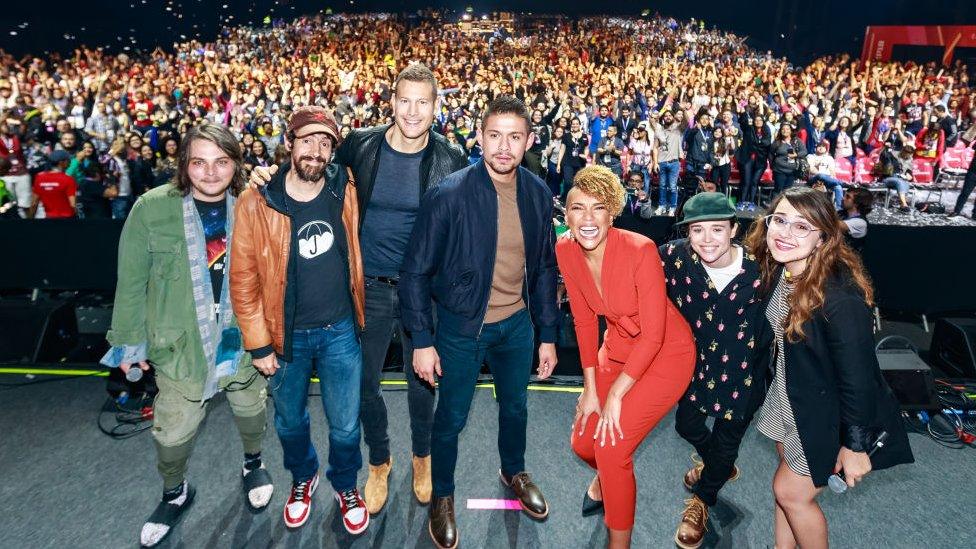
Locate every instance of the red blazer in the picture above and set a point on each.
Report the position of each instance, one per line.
(641, 321)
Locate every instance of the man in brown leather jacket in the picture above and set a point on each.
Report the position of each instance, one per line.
(393, 165)
(297, 288)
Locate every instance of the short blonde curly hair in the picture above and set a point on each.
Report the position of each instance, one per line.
(602, 184)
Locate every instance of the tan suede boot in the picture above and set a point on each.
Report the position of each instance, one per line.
(421, 479)
(694, 523)
(377, 486)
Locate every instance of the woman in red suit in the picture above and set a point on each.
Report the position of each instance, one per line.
(648, 353)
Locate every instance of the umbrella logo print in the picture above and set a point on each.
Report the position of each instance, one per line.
(314, 239)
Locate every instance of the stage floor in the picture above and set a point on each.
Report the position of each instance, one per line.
(64, 484)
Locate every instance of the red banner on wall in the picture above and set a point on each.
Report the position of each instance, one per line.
(879, 41)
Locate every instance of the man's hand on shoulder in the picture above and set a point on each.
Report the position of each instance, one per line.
(260, 175)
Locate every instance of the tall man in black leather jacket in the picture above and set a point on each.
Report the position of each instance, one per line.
(393, 165)
(483, 251)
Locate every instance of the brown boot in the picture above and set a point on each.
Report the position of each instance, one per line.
(694, 475)
(694, 524)
(377, 486)
(421, 479)
(441, 525)
(533, 502)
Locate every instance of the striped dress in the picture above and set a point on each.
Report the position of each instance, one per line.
(776, 419)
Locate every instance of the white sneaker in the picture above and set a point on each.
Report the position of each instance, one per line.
(661, 210)
(300, 502)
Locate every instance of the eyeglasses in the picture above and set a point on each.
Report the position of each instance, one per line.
(799, 229)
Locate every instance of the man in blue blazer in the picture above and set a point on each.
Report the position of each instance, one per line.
(482, 255)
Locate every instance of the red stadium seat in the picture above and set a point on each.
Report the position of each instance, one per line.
(952, 167)
(923, 171)
(844, 170)
(863, 169)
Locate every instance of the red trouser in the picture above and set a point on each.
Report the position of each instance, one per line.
(651, 397)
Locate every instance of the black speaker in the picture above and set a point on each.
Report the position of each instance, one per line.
(910, 379)
(36, 332)
(953, 347)
(94, 320)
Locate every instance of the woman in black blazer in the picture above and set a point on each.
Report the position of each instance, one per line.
(827, 403)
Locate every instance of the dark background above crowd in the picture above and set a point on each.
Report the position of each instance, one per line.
(801, 30)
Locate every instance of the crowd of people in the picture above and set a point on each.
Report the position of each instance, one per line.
(294, 194)
(671, 100)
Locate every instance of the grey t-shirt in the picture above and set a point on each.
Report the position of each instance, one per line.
(391, 211)
(668, 142)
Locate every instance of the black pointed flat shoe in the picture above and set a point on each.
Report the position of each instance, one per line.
(590, 505)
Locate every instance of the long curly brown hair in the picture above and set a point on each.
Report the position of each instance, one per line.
(833, 257)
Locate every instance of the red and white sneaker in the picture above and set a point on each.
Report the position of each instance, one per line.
(299, 503)
(354, 515)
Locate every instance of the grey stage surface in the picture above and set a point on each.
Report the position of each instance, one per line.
(64, 484)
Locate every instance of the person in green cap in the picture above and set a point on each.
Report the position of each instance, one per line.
(713, 281)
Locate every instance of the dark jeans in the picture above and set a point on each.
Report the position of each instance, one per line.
(507, 346)
(382, 317)
(781, 181)
(121, 206)
(752, 171)
(718, 446)
(967, 189)
(554, 180)
(334, 353)
(569, 172)
(721, 175)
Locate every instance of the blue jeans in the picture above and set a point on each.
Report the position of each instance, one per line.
(897, 183)
(554, 179)
(507, 346)
(834, 184)
(752, 171)
(121, 206)
(668, 192)
(781, 181)
(335, 354)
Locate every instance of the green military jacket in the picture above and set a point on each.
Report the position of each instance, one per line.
(154, 302)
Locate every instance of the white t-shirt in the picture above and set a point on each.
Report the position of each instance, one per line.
(722, 276)
(822, 164)
(857, 226)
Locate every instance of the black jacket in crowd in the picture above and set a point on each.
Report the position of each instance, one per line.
(698, 146)
(834, 383)
(360, 151)
(779, 155)
(753, 145)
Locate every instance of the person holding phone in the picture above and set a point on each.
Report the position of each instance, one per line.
(785, 155)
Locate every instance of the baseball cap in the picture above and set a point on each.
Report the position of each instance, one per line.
(311, 119)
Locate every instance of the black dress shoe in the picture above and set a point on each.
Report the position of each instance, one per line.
(442, 525)
(590, 505)
(533, 502)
